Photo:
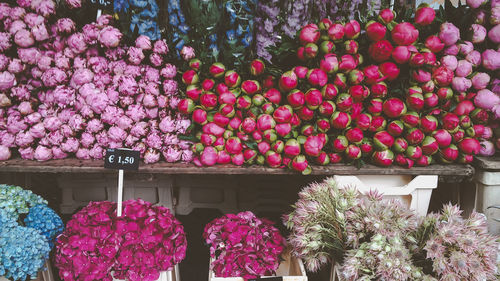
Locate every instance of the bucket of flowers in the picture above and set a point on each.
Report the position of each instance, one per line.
(144, 244)
(244, 247)
(28, 228)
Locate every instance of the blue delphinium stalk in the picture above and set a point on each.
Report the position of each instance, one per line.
(143, 16)
(178, 27)
(267, 25)
(23, 251)
(46, 221)
(15, 200)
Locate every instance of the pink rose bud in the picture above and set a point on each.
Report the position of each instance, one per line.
(461, 84)
(4, 153)
(424, 16)
(404, 34)
(449, 34)
(478, 33)
(187, 53)
(474, 57)
(160, 47)
(464, 68)
(491, 59)
(109, 37)
(480, 80)
(475, 3)
(494, 33)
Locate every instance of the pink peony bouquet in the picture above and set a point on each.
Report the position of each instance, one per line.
(98, 245)
(243, 245)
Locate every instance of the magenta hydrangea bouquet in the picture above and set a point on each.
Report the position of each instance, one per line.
(243, 245)
(98, 245)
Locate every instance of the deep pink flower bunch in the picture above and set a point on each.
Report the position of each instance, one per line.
(153, 241)
(66, 92)
(243, 245)
(98, 245)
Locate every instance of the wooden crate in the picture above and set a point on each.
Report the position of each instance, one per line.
(171, 275)
(45, 275)
(291, 269)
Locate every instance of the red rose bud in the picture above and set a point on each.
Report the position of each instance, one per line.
(351, 47)
(227, 110)
(449, 154)
(273, 95)
(193, 92)
(307, 130)
(424, 16)
(235, 123)
(389, 70)
(283, 129)
(476, 131)
(372, 74)
(299, 163)
(301, 54)
(431, 100)
(411, 119)
(479, 115)
(243, 102)
(324, 24)
(324, 138)
(292, 148)
(329, 64)
(263, 147)
(354, 135)
(257, 67)
(311, 51)
(250, 87)
(258, 100)
(355, 77)
(413, 152)
(340, 144)
(268, 82)
(265, 122)
(366, 146)
(190, 77)
(380, 51)
(379, 90)
(306, 114)
(340, 81)
(288, 81)
(233, 145)
(221, 88)
(352, 29)
(249, 155)
(327, 47)
(383, 158)
(313, 146)
(358, 58)
(301, 71)
(232, 79)
(430, 146)
(400, 145)
(428, 87)
(383, 140)
(335, 158)
(323, 125)
(213, 129)
(278, 146)
(401, 54)
(309, 34)
(469, 146)
(207, 84)
(323, 159)
(415, 102)
(434, 44)
(359, 93)
(458, 136)
(465, 121)
(273, 159)
(223, 157)
(450, 122)
(424, 161)
(207, 139)
(414, 136)
(227, 134)
(404, 34)
(442, 76)
(386, 16)
(353, 152)
(375, 30)
(296, 98)
(209, 156)
(195, 64)
(329, 92)
(401, 160)
(220, 119)
(394, 108)
(464, 107)
(227, 98)
(295, 120)
(363, 121)
(421, 76)
(417, 60)
(317, 77)
(340, 120)
(395, 128)
(344, 102)
(270, 136)
(465, 158)
(429, 57)
(356, 110)
(283, 114)
(336, 32)
(429, 124)
(186, 106)
(217, 70)
(445, 93)
(327, 108)
(248, 125)
(442, 137)
(375, 107)
(347, 63)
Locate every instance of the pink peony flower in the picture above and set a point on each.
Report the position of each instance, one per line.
(449, 34)
(45, 62)
(57, 153)
(4, 153)
(17, 13)
(187, 156)
(7, 80)
(83, 153)
(172, 154)
(491, 59)
(494, 33)
(70, 145)
(128, 86)
(151, 156)
(53, 77)
(160, 47)
(104, 19)
(486, 99)
(187, 53)
(76, 42)
(97, 152)
(43, 153)
(117, 134)
(474, 57)
(464, 68)
(135, 55)
(110, 37)
(461, 84)
(156, 59)
(5, 41)
(37, 131)
(74, 4)
(102, 138)
(136, 112)
(91, 33)
(16, 26)
(64, 96)
(16, 66)
(143, 42)
(33, 20)
(33, 118)
(40, 33)
(170, 87)
(24, 139)
(44, 7)
(25, 108)
(182, 125)
(27, 153)
(62, 61)
(153, 140)
(449, 62)
(4, 61)
(87, 140)
(478, 33)
(169, 71)
(480, 80)
(24, 38)
(80, 77)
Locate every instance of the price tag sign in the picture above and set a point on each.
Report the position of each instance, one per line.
(268, 279)
(102, 3)
(121, 159)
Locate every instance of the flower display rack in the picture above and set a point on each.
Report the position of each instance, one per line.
(291, 269)
(487, 200)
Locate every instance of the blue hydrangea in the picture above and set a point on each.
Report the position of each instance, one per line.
(46, 221)
(15, 200)
(6, 221)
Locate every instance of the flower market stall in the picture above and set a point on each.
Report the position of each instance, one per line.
(217, 100)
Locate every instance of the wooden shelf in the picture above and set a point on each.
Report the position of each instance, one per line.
(91, 166)
(488, 163)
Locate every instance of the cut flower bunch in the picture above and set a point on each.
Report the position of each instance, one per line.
(28, 228)
(383, 94)
(370, 238)
(98, 245)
